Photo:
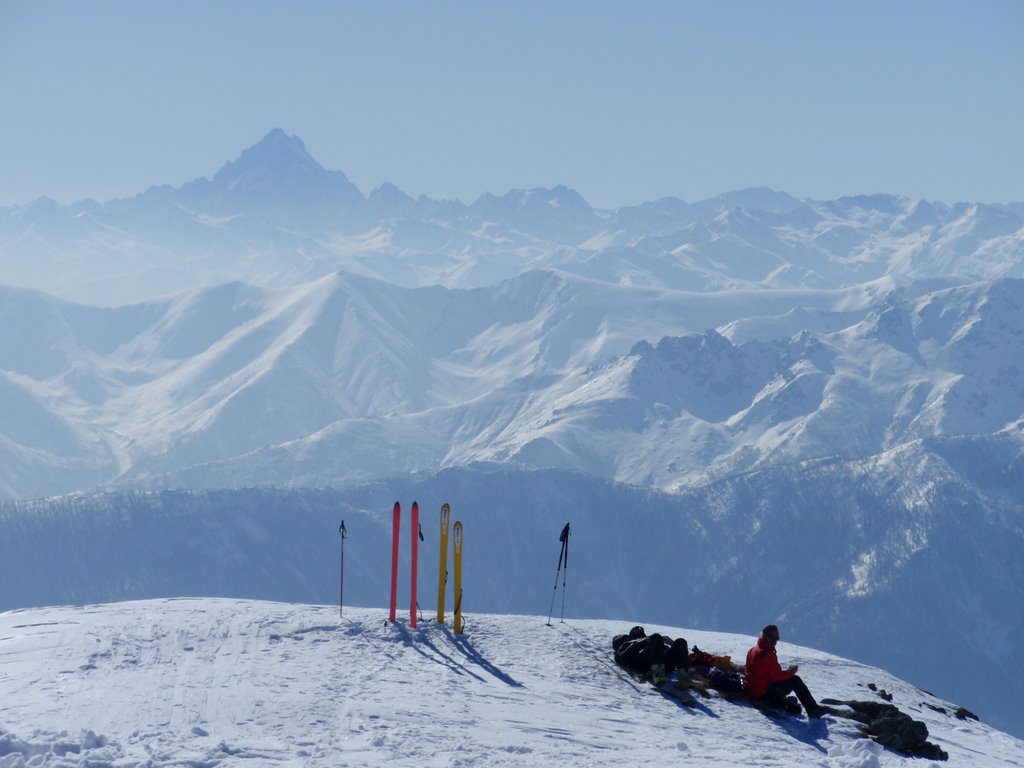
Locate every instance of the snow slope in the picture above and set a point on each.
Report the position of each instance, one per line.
(235, 385)
(208, 683)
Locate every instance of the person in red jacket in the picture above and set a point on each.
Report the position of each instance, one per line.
(764, 679)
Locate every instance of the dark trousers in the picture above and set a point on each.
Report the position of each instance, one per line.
(647, 651)
(777, 692)
(639, 654)
(678, 655)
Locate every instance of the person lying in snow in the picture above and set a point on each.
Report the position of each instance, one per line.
(653, 657)
(764, 679)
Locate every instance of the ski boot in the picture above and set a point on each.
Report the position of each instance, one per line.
(683, 680)
(658, 675)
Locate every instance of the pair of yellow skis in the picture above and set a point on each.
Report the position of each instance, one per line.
(442, 575)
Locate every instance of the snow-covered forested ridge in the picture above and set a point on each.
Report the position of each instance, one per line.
(830, 391)
(222, 683)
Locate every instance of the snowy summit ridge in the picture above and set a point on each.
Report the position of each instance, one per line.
(225, 683)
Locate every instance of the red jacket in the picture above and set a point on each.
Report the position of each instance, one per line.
(763, 669)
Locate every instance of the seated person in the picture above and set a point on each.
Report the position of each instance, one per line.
(764, 679)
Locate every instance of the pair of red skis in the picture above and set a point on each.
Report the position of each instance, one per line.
(442, 577)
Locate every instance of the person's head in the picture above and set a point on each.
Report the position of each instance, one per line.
(770, 633)
(636, 632)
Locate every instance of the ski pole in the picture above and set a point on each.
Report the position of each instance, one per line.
(420, 531)
(564, 538)
(563, 556)
(341, 586)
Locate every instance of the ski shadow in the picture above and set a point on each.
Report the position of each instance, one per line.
(466, 648)
(422, 643)
(699, 707)
(690, 706)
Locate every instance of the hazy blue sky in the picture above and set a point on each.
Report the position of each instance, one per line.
(624, 102)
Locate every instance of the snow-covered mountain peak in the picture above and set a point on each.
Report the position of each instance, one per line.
(277, 179)
(751, 198)
(891, 205)
(890, 322)
(557, 214)
(389, 200)
(277, 141)
(277, 153)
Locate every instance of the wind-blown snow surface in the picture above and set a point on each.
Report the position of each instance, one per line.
(229, 683)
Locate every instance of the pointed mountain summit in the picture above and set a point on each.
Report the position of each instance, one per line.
(388, 200)
(277, 153)
(275, 177)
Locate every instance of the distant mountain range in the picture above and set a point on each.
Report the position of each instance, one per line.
(240, 385)
(274, 217)
(753, 407)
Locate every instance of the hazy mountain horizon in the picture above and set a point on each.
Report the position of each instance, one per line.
(823, 397)
(275, 216)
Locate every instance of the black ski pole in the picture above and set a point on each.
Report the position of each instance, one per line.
(564, 538)
(562, 557)
(341, 584)
(458, 611)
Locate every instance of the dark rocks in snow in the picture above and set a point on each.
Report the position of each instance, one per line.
(892, 728)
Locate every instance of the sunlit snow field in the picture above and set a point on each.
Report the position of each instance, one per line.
(217, 682)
